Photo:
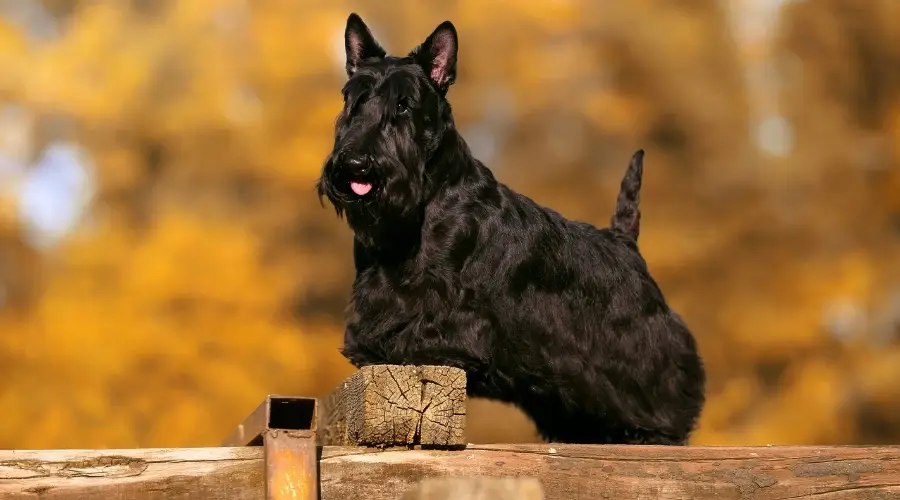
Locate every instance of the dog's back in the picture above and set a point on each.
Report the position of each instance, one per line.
(583, 333)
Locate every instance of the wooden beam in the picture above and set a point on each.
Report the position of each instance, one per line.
(142, 474)
(392, 405)
(585, 472)
(567, 472)
(476, 488)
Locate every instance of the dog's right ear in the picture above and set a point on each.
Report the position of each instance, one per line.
(359, 44)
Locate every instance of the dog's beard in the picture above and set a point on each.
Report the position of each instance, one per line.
(345, 192)
(384, 209)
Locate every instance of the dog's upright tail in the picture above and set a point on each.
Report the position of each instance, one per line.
(627, 219)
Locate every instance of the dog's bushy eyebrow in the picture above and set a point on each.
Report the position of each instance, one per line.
(357, 90)
(360, 82)
(401, 84)
(392, 87)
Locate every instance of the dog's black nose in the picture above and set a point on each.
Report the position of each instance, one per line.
(355, 162)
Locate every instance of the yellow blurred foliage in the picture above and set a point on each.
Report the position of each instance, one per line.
(207, 275)
(176, 328)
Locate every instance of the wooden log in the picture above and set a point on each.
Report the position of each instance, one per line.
(143, 474)
(392, 405)
(585, 472)
(477, 488)
(567, 472)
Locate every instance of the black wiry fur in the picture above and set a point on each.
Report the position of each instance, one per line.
(454, 268)
(627, 217)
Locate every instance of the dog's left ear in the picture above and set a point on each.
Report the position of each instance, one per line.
(437, 55)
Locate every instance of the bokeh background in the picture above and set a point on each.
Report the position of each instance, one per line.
(164, 262)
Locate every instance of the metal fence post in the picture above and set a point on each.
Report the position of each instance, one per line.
(286, 427)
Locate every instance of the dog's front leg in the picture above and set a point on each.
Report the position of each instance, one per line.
(367, 346)
(461, 339)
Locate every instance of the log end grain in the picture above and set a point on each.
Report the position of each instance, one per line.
(394, 405)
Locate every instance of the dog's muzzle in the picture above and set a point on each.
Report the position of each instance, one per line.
(355, 169)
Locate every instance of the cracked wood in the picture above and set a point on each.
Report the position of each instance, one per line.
(567, 472)
(392, 405)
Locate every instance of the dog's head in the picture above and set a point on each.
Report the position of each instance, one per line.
(394, 117)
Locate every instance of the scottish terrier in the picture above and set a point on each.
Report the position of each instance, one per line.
(555, 316)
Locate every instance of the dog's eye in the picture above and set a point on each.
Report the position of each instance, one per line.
(402, 108)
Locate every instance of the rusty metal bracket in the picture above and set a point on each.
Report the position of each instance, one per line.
(286, 427)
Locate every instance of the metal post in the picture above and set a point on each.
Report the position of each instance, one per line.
(286, 427)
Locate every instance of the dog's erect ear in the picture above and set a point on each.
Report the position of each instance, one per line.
(359, 44)
(437, 55)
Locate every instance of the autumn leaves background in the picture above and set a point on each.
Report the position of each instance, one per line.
(186, 269)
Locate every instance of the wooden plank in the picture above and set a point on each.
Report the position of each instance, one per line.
(586, 472)
(143, 474)
(393, 405)
(477, 488)
(567, 472)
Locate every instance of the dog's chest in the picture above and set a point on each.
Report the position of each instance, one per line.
(423, 288)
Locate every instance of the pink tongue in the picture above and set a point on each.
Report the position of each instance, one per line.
(360, 188)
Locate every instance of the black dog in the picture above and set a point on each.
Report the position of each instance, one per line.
(453, 268)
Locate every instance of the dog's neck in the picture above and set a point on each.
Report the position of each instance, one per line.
(452, 163)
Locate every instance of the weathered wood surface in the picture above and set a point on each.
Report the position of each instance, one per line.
(477, 488)
(143, 474)
(392, 405)
(567, 472)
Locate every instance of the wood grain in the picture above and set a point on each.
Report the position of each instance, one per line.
(143, 474)
(392, 405)
(567, 472)
(584, 472)
(476, 488)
